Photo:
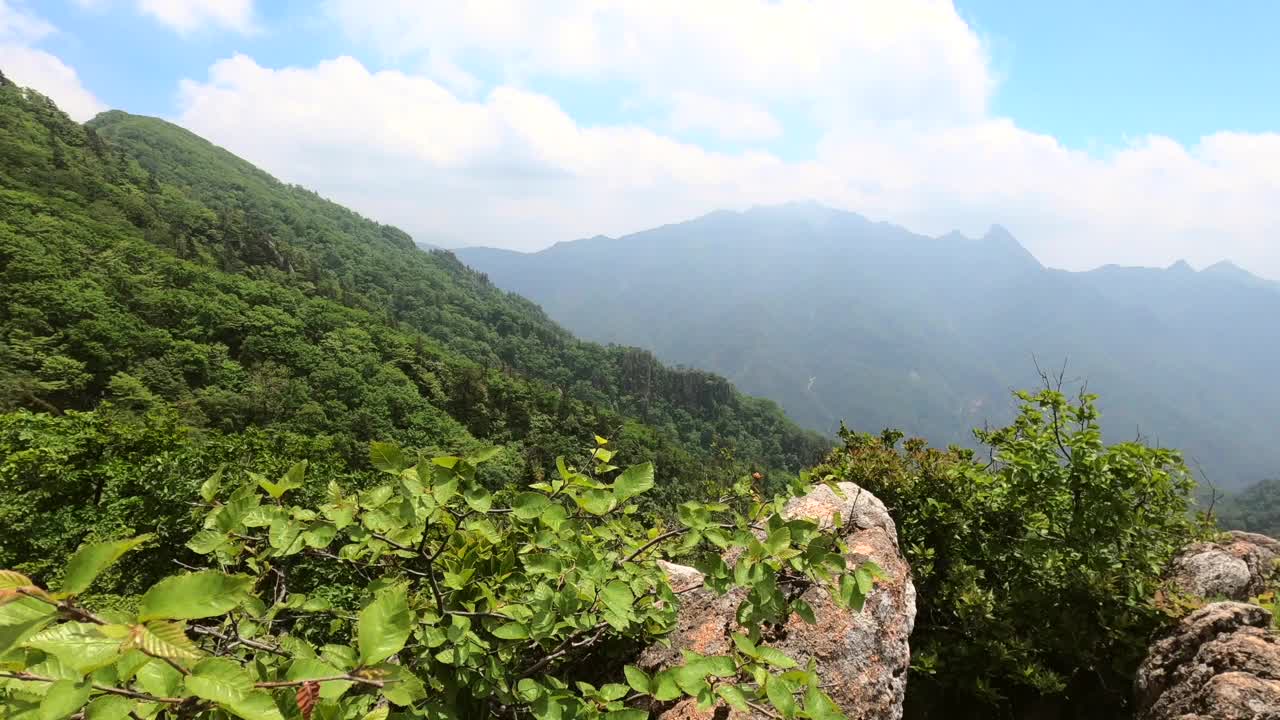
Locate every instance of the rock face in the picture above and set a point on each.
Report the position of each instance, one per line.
(1236, 568)
(861, 656)
(1222, 662)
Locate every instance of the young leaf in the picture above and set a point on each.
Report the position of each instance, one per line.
(90, 560)
(196, 595)
(383, 625)
(306, 697)
(162, 640)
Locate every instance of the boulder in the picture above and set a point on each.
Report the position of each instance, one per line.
(1221, 662)
(862, 656)
(1237, 567)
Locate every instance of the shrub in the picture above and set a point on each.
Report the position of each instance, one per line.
(425, 595)
(1036, 563)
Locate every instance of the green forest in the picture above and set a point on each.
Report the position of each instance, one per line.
(263, 458)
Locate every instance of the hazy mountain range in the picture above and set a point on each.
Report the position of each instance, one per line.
(838, 317)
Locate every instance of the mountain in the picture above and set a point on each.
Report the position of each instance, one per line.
(838, 317)
(169, 308)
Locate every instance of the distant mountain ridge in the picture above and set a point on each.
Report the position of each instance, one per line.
(838, 317)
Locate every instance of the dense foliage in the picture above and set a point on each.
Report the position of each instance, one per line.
(167, 307)
(1036, 565)
(423, 596)
(1254, 509)
(838, 317)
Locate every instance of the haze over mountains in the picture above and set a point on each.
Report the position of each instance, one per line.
(838, 317)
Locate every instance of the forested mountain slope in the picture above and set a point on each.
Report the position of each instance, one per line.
(169, 308)
(840, 318)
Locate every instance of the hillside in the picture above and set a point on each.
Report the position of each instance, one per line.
(169, 309)
(838, 318)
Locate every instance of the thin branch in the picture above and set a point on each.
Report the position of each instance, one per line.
(335, 678)
(237, 640)
(29, 677)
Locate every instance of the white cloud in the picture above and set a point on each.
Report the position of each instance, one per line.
(38, 69)
(188, 16)
(732, 120)
(912, 59)
(897, 92)
(20, 26)
(35, 68)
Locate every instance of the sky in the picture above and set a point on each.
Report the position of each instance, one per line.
(1137, 133)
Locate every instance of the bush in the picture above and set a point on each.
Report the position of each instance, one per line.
(425, 595)
(1036, 565)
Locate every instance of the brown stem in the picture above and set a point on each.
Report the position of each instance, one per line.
(29, 677)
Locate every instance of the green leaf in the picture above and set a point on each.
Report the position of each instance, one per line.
(480, 456)
(628, 714)
(529, 505)
(665, 687)
(633, 481)
(64, 698)
(21, 619)
(197, 595)
(601, 441)
(109, 707)
(206, 541)
(78, 645)
(477, 497)
(745, 646)
(209, 488)
(804, 610)
(387, 457)
(383, 625)
(294, 477)
(597, 502)
(511, 631)
(735, 697)
(219, 680)
(617, 596)
(311, 668)
(778, 540)
(159, 678)
(638, 679)
(780, 695)
(820, 707)
(90, 560)
(283, 533)
(776, 658)
(720, 666)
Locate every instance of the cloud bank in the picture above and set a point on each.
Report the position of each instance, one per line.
(522, 123)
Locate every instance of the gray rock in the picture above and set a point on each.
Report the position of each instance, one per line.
(1221, 662)
(862, 656)
(1237, 567)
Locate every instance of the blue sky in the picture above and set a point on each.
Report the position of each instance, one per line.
(1095, 73)
(1136, 132)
